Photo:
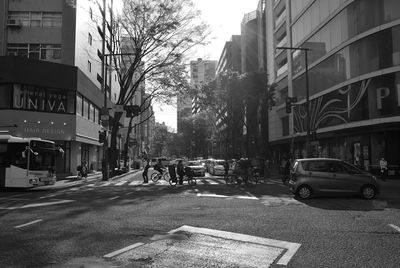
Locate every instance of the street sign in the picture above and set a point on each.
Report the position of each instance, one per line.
(119, 108)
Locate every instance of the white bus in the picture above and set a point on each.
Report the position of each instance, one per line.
(26, 162)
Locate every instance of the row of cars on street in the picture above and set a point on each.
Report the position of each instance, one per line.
(199, 166)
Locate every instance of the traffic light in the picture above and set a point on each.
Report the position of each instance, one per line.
(288, 105)
(102, 136)
(132, 110)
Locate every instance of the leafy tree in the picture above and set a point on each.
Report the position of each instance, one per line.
(240, 101)
(157, 35)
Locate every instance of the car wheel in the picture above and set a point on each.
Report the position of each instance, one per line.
(304, 192)
(368, 192)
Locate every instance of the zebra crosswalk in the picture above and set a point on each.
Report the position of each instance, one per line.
(126, 183)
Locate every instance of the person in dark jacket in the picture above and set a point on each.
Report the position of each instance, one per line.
(145, 171)
(181, 171)
(172, 173)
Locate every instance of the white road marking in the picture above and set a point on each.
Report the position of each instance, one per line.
(48, 196)
(104, 184)
(91, 185)
(29, 223)
(397, 228)
(245, 197)
(112, 198)
(228, 196)
(213, 195)
(122, 250)
(250, 194)
(39, 204)
(291, 248)
(135, 183)
(120, 183)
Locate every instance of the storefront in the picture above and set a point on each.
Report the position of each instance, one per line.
(41, 99)
(359, 123)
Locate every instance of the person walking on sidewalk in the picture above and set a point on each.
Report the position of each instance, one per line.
(145, 171)
(384, 168)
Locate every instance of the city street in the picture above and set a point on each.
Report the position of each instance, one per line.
(102, 224)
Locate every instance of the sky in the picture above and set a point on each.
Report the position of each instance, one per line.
(224, 18)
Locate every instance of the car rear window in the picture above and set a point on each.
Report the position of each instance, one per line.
(316, 166)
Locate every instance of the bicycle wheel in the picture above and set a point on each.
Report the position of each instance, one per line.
(155, 177)
(166, 176)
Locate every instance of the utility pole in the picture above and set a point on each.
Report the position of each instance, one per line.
(105, 115)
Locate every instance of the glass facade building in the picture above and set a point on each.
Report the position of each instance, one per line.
(353, 70)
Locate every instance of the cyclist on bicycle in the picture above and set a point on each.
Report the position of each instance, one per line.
(159, 167)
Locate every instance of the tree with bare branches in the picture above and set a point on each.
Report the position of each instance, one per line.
(149, 43)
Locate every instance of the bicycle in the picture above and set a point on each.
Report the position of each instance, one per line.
(157, 176)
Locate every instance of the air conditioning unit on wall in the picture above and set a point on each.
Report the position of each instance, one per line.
(14, 23)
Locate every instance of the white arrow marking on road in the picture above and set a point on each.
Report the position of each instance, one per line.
(29, 223)
(39, 204)
(395, 227)
(291, 248)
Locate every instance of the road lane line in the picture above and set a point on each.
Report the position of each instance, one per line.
(397, 228)
(39, 204)
(112, 198)
(212, 195)
(29, 223)
(135, 183)
(246, 197)
(122, 250)
(120, 183)
(251, 195)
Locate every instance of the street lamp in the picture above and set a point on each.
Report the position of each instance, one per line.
(307, 94)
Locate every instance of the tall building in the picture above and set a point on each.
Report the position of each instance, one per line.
(230, 58)
(249, 46)
(51, 75)
(354, 79)
(201, 71)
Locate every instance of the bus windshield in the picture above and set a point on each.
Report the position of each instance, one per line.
(45, 157)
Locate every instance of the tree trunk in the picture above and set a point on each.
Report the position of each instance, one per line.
(112, 154)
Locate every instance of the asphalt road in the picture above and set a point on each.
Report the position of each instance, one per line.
(80, 224)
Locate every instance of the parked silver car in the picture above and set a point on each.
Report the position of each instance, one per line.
(317, 176)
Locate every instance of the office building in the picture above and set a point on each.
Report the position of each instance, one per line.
(51, 76)
(353, 71)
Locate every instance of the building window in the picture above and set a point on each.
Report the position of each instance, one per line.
(90, 39)
(85, 109)
(36, 19)
(52, 19)
(36, 51)
(79, 105)
(89, 64)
